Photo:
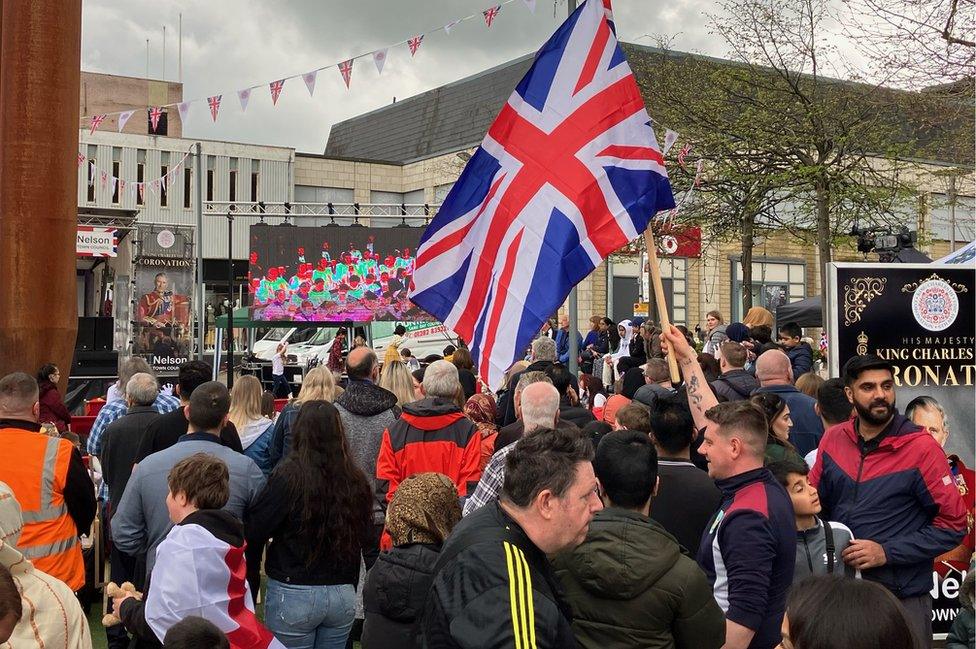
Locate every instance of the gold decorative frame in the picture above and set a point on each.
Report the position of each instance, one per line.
(858, 294)
(910, 288)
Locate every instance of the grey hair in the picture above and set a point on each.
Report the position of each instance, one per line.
(539, 406)
(544, 349)
(441, 380)
(131, 366)
(528, 378)
(925, 401)
(141, 389)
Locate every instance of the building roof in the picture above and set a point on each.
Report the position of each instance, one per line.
(456, 116)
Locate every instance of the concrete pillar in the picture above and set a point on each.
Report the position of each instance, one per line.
(40, 63)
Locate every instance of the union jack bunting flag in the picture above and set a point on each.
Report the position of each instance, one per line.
(214, 103)
(682, 154)
(414, 44)
(96, 121)
(345, 69)
(569, 172)
(491, 13)
(81, 159)
(276, 87)
(154, 114)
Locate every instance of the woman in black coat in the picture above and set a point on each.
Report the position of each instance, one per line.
(421, 515)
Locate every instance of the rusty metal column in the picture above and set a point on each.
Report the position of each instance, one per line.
(40, 72)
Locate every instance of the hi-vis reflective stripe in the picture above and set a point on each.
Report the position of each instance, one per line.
(47, 474)
(520, 595)
(41, 515)
(35, 551)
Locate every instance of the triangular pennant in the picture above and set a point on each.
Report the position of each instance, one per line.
(491, 13)
(276, 87)
(96, 121)
(244, 95)
(104, 177)
(379, 58)
(685, 150)
(214, 103)
(530, 4)
(670, 137)
(184, 108)
(155, 186)
(449, 26)
(414, 44)
(81, 159)
(154, 114)
(121, 187)
(345, 69)
(309, 79)
(123, 118)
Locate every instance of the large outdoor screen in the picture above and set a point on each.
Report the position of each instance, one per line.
(333, 274)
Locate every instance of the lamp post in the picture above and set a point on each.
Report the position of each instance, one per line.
(230, 298)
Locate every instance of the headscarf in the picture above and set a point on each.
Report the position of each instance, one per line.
(758, 316)
(737, 332)
(633, 379)
(424, 509)
(481, 409)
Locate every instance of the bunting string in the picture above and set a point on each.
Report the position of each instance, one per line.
(155, 185)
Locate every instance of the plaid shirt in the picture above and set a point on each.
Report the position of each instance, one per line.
(492, 479)
(114, 410)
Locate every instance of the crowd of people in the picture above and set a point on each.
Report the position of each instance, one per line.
(751, 503)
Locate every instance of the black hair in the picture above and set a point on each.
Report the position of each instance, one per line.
(791, 329)
(209, 404)
(828, 611)
(46, 371)
(195, 633)
(626, 465)
(192, 375)
(860, 364)
(672, 425)
(450, 349)
(560, 376)
(544, 460)
(782, 469)
(405, 352)
(418, 374)
(595, 431)
(762, 334)
(400, 330)
(833, 403)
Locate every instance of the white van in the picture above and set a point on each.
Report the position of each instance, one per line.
(266, 346)
(422, 338)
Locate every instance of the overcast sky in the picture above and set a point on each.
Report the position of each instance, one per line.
(232, 44)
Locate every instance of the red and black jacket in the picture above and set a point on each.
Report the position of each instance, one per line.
(900, 495)
(431, 435)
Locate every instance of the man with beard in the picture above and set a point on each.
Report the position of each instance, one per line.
(888, 481)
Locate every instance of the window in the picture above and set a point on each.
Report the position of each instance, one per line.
(116, 171)
(773, 284)
(210, 181)
(255, 170)
(187, 186)
(140, 178)
(941, 218)
(163, 191)
(232, 181)
(92, 166)
(313, 194)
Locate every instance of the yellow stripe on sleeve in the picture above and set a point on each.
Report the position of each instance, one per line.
(512, 586)
(530, 609)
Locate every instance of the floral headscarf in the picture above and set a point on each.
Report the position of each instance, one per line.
(424, 509)
(481, 409)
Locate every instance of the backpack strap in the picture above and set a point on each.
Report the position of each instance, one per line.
(829, 541)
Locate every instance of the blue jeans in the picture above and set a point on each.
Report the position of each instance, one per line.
(280, 386)
(310, 617)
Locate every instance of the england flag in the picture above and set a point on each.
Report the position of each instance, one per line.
(569, 172)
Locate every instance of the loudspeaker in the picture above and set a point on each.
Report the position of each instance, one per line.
(89, 364)
(104, 334)
(85, 342)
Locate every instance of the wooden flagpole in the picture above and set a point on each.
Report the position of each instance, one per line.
(662, 308)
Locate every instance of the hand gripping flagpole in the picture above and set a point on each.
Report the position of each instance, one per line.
(662, 307)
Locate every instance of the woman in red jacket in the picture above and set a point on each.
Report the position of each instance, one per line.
(52, 407)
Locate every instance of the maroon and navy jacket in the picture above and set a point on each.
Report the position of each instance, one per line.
(748, 553)
(900, 495)
(431, 435)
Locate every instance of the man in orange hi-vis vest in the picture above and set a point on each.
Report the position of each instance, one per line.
(50, 482)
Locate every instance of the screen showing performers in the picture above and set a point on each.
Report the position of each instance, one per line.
(333, 274)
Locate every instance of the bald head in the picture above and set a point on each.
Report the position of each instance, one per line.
(773, 368)
(362, 364)
(540, 406)
(18, 397)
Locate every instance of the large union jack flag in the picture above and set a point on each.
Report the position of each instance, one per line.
(569, 172)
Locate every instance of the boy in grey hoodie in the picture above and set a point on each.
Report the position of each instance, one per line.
(819, 543)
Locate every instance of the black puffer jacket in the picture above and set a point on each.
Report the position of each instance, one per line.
(394, 595)
(735, 385)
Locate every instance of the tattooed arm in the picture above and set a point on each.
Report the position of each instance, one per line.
(700, 395)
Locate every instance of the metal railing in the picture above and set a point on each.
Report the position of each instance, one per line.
(288, 210)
